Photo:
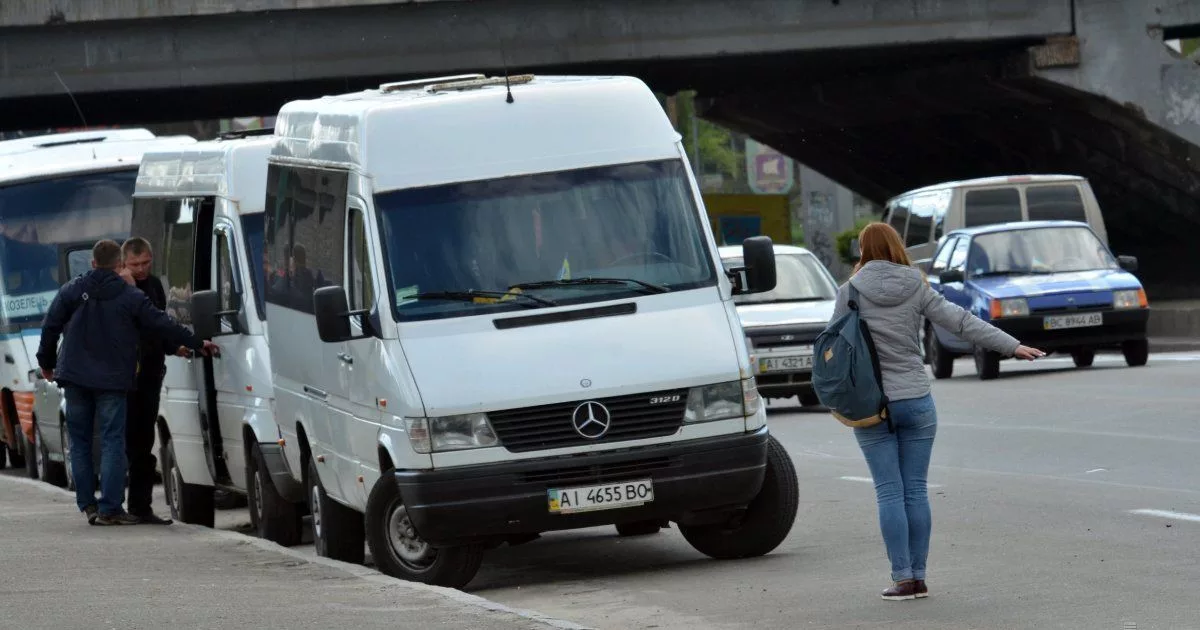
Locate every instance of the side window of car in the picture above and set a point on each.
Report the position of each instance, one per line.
(942, 260)
(958, 258)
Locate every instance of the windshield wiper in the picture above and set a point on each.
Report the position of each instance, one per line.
(470, 294)
(647, 287)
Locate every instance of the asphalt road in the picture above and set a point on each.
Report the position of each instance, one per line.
(1062, 498)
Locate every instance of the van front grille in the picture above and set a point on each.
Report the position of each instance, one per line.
(631, 417)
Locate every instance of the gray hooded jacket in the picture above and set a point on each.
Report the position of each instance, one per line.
(893, 299)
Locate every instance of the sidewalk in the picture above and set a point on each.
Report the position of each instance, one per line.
(56, 571)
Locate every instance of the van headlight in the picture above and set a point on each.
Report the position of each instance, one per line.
(450, 433)
(722, 401)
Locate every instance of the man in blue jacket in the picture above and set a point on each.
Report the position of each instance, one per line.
(100, 317)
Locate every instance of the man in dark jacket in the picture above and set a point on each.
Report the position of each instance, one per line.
(141, 410)
(99, 316)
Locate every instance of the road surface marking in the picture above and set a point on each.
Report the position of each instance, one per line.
(869, 480)
(1181, 516)
(1095, 470)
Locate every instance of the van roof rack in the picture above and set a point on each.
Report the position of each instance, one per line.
(245, 133)
(415, 84)
(472, 84)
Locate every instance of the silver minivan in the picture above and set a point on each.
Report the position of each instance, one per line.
(924, 215)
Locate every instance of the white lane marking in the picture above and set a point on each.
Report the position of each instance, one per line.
(1095, 470)
(1181, 516)
(869, 480)
(357, 570)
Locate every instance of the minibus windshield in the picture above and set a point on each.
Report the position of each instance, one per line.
(565, 238)
(47, 229)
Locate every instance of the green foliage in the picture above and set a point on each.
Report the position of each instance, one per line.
(1189, 46)
(842, 241)
(719, 153)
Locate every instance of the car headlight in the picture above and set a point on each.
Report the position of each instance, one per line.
(1130, 298)
(1012, 307)
(722, 401)
(450, 433)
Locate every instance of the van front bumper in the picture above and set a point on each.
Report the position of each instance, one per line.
(698, 481)
(1118, 326)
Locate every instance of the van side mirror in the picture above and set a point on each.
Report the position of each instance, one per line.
(757, 275)
(1128, 263)
(332, 309)
(951, 275)
(207, 316)
(855, 249)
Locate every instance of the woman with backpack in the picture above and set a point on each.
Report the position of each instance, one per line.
(893, 299)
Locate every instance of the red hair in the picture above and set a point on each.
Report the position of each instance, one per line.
(880, 241)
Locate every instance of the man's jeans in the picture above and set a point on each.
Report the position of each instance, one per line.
(86, 408)
(899, 464)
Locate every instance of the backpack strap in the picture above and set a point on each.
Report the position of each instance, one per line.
(852, 302)
(851, 296)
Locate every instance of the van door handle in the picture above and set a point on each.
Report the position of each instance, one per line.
(346, 358)
(314, 392)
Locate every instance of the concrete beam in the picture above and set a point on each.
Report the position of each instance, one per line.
(397, 40)
(39, 12)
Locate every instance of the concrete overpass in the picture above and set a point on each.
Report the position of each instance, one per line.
(881, 95)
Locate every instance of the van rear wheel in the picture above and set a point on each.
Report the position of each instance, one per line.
(987, 364)
(337, 529)
(399, 551)
(765, 523)
(938, 356)
(273, 517)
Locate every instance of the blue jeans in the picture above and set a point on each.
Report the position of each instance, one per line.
(899, 464)
(85, 408)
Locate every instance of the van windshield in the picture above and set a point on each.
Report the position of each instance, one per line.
(47, 229)
(637, 223)
(1038, 250)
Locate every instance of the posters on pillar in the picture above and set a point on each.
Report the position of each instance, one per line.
(768, 171)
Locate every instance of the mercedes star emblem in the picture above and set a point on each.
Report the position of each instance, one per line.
(591, 420)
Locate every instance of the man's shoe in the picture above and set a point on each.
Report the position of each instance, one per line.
(124, 518)
(150, 518)
(91, 512)
(922, 590)
(901, 591)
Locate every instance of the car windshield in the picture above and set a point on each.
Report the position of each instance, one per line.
(47, 229)
(552, 236)
(798, 278)
(1037, 251)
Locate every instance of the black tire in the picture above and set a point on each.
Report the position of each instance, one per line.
(3, 456)
(14, 457)
(1137, 352)
(272, 517)
(52, 472)
(766, 521)
(638, 528)
(189, 503)
(940, 358)
(809, 399)
(1084, 358)
(987, 364)
(31, 459)
(337, 529)
(398, 549)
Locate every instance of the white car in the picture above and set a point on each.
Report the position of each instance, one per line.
(781, 324)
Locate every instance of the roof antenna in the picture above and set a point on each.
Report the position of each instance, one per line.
(504, 60)
(78, 110)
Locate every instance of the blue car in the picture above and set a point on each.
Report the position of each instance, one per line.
(1052, 284)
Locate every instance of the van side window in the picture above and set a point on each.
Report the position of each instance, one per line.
(940, 201)
(179, 254)
(360, 284)
(943, 256)
(988, 207)
(1061, 202)
(899, 217)
(224, 284)
(306, 214)
(920, 221)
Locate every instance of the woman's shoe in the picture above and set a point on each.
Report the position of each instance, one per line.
(922, 590)
(901, 591)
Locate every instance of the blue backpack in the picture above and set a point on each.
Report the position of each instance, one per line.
(846, 374)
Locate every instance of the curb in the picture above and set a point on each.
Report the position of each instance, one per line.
(358, 571)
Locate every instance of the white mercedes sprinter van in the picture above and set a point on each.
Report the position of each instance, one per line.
(504, 314)
(59, 194)
(201, 207)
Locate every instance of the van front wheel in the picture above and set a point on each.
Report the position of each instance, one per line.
(399, 550)
(766, 521)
